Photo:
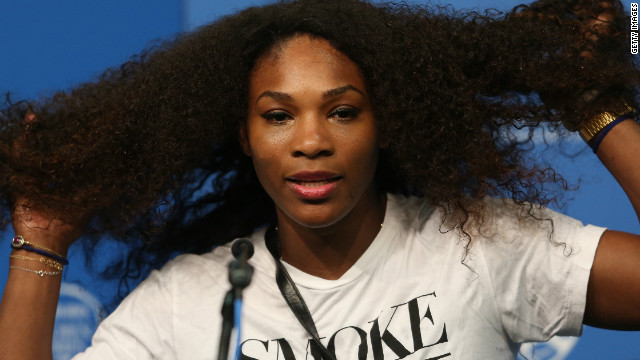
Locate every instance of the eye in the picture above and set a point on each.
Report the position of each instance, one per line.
(345, 113)
(276, 116)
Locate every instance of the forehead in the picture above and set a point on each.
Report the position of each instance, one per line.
(304, 61)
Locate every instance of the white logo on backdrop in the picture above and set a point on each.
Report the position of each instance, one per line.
(557, 348)
(77, 318)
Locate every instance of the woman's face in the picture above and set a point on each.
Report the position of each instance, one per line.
(311, 132)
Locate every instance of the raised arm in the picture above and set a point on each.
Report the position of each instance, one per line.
(29, 301)
(30, 297)
(613, 296)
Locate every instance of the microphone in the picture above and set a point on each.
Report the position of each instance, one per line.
(242, 249)
(240, 271)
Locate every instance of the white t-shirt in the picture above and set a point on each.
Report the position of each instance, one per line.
(412, 295)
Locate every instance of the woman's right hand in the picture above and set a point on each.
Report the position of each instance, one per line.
(40, 225)
(30, 297)
(45, 228)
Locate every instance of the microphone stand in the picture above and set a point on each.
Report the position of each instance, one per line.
(240, 273)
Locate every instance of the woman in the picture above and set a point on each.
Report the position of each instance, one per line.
(313, 117)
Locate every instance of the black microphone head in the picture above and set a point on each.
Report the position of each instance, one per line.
(241, 245)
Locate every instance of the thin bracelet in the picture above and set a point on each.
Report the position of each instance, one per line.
(600, 136)
(51, 263)
(19, 242)
(40, 273)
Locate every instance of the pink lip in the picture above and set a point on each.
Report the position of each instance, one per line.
(315, 192)
(312, 176)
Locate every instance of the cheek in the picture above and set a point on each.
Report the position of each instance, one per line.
(369, 159)
(363, 158)
(361, 145)
(265, 143)
(267, 161)
(264, 163)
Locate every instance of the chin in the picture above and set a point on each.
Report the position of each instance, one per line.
(315, 216)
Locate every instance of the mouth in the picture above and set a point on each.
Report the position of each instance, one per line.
(313, 185)
(313, 177)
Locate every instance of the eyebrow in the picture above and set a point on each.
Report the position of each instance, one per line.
(341, 90)
(280, 96)
(275, 95)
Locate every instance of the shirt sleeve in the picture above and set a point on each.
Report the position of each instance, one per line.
(140, 328)
(539, 268)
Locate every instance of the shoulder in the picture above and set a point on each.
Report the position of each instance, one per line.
(503, 222)
(411, 211)
(189, 266)
(215, 264)
(494, 222)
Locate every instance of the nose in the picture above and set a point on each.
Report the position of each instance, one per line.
(312, 138)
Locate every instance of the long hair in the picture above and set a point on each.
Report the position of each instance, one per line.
(150, 148)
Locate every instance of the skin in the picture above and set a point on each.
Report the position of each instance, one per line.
(613, 294)
(309, 110)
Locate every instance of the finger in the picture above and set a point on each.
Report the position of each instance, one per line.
(30, 117)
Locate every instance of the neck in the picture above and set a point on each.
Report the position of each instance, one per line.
(330, 251)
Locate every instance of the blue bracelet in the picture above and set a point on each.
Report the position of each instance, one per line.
(594, 146)
(18, 242)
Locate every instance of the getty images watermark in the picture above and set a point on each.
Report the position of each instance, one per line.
(634, 28)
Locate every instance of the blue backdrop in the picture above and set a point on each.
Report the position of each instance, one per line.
(50, 45)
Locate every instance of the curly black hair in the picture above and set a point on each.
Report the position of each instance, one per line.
(150, 148)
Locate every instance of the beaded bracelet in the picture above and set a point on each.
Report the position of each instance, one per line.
(49, 262)
(19, 242)
(40, 273)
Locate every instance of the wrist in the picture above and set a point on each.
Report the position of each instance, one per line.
(593, 127)
(19, 242)
(53, 242)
